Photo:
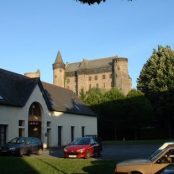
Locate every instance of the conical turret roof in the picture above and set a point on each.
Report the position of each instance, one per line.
(59, 61)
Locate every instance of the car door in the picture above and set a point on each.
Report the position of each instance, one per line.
(28, 146)
(95, 146)
(35, 145)
(162, 162)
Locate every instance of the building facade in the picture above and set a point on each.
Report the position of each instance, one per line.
(29, 107)
(103, 73)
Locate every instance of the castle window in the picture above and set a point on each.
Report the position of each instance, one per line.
(90, 78)
(103, 76)
(68, 80)
(110, 75)
(97, 85)
(60, 70)
(96, 78)
(104, 85)
(89, 86)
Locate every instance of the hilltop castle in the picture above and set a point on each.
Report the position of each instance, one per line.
(103, 73)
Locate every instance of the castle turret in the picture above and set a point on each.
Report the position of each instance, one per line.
(33, 74)
(121, 78)
(58, 71)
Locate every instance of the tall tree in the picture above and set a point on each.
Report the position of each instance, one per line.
(139, 112)
(157, 74)
(156, 80)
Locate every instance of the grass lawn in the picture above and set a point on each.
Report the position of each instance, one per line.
(49, 165)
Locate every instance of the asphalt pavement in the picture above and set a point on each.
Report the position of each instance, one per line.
(117, 152)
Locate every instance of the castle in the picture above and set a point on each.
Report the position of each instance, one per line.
(103, 73)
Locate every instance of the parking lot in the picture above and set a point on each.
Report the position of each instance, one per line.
(117, 152)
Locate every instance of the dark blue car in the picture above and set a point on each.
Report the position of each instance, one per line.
(22, 146)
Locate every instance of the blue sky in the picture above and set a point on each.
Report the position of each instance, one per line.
(32, 32)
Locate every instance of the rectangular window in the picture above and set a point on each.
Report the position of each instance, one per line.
(68, 81)
(21, 132)
(72, 133)
(103, 76)
(3, 132)
(21, 128)
(48, 124)
(59, 136)
(21, 123)
(89, 86)
(90, 78)
(97, 85)
(83, 131)
(96, 77)
(110, 76)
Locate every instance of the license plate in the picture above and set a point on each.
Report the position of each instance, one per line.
(72, 156)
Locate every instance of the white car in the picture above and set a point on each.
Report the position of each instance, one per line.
(160, 162)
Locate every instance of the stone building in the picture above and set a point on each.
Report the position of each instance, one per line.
(103, 73)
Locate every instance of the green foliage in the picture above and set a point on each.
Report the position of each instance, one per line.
(134, 93)
(158, 73)
(112, 95)
(93, 97)
(118, 115)
(82, 94)
(140, 110)
(156, 80)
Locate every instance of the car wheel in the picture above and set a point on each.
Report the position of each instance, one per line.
(19, 153)
(88, 155)
(39, 152)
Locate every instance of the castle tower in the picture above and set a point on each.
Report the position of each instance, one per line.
(59, 71)
(121, 78)
(33, 74)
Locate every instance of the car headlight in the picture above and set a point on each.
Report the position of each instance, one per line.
(81, 150)
(12, 148)
(65, 150)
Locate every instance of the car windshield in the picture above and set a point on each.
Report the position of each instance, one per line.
(160, 150)
(81, 141)
(17, 141)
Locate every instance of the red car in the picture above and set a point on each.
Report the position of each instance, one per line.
(84, 147)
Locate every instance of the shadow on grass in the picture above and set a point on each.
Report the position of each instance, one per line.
(15, 165)
(100, 166)
(52, 166)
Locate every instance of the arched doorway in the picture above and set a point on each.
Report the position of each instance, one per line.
(34, 120)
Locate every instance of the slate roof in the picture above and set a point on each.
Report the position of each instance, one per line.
(92, 64)
(15, 89)
(65, 100)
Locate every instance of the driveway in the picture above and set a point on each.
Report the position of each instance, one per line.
(116, 152)
(125, 151)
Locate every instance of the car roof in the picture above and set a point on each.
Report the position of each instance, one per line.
(167, 144)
